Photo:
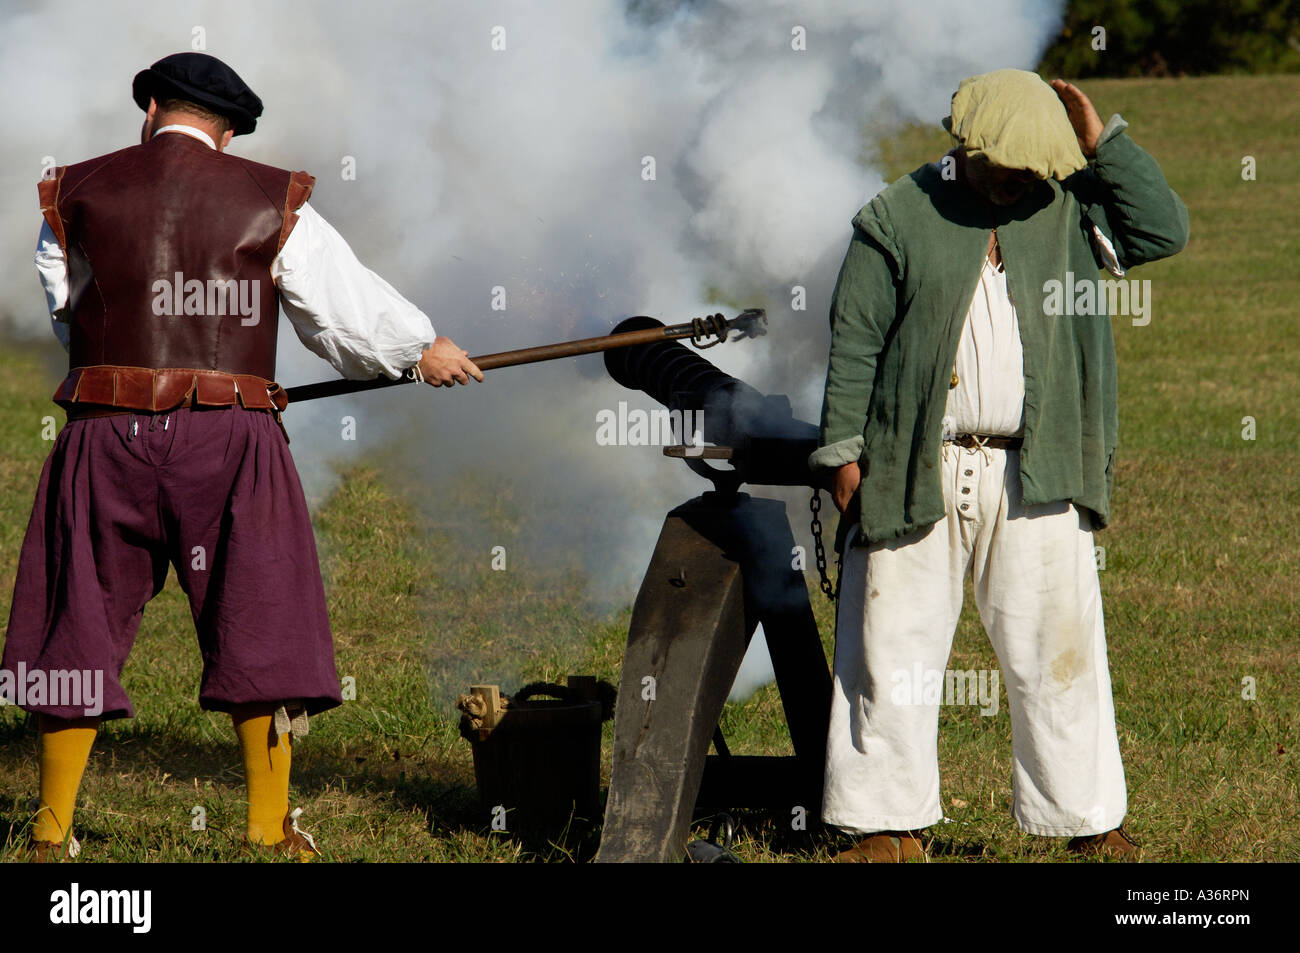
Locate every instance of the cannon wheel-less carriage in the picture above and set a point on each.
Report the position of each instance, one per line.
(724, 563)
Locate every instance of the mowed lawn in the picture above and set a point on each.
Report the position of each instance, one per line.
(1200, 584)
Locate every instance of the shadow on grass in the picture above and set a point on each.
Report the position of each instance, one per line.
(444, 794)
(446, 797)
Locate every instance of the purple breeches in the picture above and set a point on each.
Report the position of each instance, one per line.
(214, 493)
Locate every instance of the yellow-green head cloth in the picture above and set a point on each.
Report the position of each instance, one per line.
(1015, 120)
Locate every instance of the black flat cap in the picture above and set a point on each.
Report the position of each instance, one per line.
(200, 79)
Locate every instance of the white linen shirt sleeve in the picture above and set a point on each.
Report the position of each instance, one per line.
(52, 266)
(343, 311)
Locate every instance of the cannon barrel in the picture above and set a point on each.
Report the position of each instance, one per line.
(763, 440)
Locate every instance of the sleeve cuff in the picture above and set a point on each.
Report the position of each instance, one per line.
(1113, 128)
(400, 363)
(837, 454)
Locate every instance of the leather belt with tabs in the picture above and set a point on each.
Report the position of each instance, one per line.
(112, 390)
(108, 390)
(972, 441)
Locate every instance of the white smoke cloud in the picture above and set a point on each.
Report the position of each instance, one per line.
(522, 168)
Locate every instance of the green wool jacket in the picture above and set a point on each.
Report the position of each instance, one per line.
(901, 300)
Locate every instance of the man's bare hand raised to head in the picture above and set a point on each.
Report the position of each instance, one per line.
(445, 364)
(1083, 116)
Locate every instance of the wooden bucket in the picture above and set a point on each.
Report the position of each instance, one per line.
(537, 759)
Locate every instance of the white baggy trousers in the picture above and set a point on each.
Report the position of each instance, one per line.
(1036, 587)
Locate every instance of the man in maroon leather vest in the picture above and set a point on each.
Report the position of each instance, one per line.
(165, 265)
(209, 226)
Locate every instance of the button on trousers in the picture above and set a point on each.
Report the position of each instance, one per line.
(1035, 582)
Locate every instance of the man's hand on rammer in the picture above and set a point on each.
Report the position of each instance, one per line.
(444, 364)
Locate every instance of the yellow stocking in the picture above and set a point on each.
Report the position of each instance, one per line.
(65, 748)
(266, 767)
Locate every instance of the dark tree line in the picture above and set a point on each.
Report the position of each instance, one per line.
(1176, 37)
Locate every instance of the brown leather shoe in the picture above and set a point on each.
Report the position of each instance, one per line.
(52, 852)
(297, 844)
(1114, 844)
(885, 847)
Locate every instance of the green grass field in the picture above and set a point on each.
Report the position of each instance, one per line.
(1200, 586)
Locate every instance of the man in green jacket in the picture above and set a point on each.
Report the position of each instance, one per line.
(971, 419)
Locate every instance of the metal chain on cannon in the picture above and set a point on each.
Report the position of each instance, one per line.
(819, 551)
